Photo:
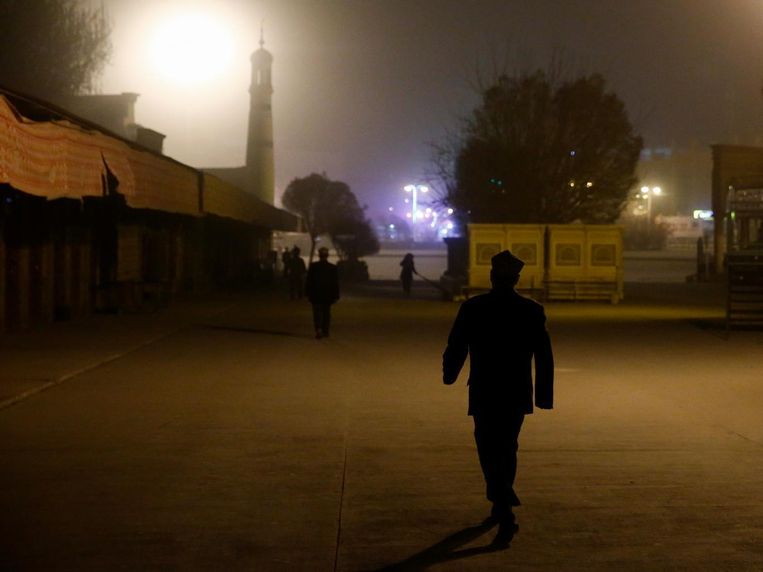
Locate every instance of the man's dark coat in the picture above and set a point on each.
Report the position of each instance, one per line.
(502, 332)
(322, 283)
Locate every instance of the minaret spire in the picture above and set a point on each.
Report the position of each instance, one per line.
(259, 147)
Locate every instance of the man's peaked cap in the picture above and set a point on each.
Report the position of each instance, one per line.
(506, 264)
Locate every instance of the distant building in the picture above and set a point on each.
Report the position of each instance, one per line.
(116, 113)
(684, 231)
(91, 220)
(683, 173)
(257, 176)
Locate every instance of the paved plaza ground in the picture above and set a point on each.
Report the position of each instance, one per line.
(220, 435)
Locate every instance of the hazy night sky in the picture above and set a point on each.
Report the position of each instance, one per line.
(361, 86)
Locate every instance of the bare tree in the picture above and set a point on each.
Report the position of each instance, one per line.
(330, 208)
(51, 48)
(540, 148)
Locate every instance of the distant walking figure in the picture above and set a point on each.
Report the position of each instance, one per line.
(407, 272)
(502, 332)
(296, 274)
(286, 261)
(322, 289)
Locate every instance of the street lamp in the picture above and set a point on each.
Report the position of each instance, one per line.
(647, 193)
(414, 190)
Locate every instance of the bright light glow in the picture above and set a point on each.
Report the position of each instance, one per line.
(191, 47)
(589, 184)
(406, 201)
(409, 188)
(657, 190)
(449, 225)
(429, 210)
(450, 211)
(390, 209)
(423, 188)
(392, 226)
(644, 190)
(572, 183)
(408, 215)
(702, 214)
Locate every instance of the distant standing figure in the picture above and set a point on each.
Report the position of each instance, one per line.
(502, 332)
(296, 274)
(286, 261)
(322, 289)
(407, 272)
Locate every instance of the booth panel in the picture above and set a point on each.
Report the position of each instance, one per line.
(485, 241)
(604, 253)
(526, 243)
(566, 257)
(564, 262)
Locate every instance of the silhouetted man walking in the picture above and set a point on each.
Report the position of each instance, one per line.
(502, 332)
(322, 289)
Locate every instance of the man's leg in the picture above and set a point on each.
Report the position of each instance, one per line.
(510, 444)
(318, 320)
(489, 456)
(326, 324)
(497, 444)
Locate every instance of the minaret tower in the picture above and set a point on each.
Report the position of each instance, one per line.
(260, 163)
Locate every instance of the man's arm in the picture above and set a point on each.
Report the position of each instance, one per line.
(544, 368)
(309, 282)
(458, 347)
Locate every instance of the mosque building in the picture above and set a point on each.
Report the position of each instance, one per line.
(257, 176)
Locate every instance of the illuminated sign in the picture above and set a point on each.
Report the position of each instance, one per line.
(703, 215)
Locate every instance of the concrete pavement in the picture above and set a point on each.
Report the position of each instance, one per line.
(222, 436)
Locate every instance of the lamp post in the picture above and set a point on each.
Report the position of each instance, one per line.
(647, 193)
(414, 190)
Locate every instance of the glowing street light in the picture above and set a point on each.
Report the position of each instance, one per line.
(415, 213)
(647, 193)
(191, 46)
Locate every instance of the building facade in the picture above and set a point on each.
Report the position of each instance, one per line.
(90, 221)
(257, 176)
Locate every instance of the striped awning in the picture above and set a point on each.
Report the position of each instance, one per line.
(61, 158)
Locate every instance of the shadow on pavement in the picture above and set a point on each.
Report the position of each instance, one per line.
(713, 326)
(392, 289)
(252, 331)
(446, 550)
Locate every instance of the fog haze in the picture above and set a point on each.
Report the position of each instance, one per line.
(361, 87)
